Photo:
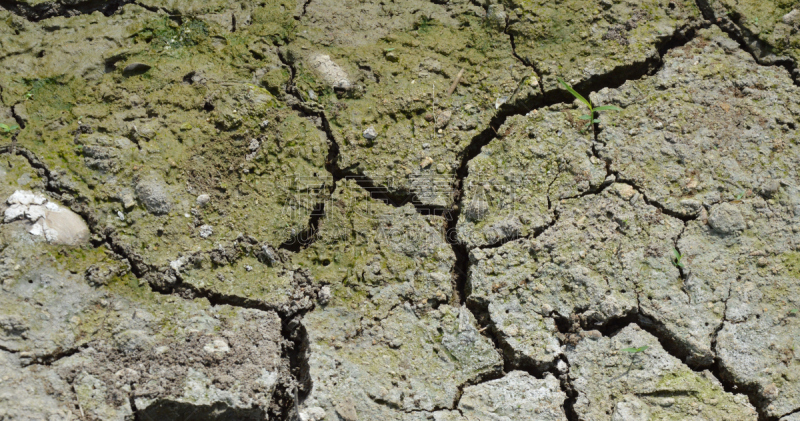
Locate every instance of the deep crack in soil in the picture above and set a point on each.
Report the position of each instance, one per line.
(49, 9)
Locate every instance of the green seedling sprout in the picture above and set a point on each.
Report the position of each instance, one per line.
(5, 128)
(424, 24)
(676, 258)
(740, 195)
(635, 350)
(591, 117)
(794, 311)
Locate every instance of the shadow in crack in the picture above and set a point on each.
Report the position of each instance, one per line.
(179, 411)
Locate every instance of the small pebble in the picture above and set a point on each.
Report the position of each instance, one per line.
(370, 134)
(203, 200)
(206, 231)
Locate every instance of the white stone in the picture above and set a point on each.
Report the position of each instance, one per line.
(57, 224)
(217, 346)
(370, 133)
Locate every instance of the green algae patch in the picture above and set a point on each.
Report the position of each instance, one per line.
(396, 85)
(365, 248)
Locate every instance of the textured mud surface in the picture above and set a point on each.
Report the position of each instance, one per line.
(326, 210)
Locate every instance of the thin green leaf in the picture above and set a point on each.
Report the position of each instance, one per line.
(794, 311)
(595, 121)
(4, 127)
(584, 117)
(635, 350)
(677, 259)
(388, 49)
(575, 94)
(607, 108)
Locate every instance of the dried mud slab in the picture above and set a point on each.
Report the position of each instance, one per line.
(207, 147)
(592, 264)
(769, 29)
(515, 396)
(385, 89)
(720, 144)
(710, 126)
(756, 344)
(537, 159)
(96, 345)
(587, 42)
(382, 341)
(614, 384)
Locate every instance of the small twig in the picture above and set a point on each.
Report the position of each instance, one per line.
(455, 82)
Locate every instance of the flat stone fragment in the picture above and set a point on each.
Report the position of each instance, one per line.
(58, 225)
(538, 159)
(769, 28)
(710, 126)
(516, 396)
(630, 377)
(581, 41)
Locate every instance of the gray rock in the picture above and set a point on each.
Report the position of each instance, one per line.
(496, 14)
(370, 133)
(134, 69)
(329, 71)
(206, 231)
(154, 195)
(726, 218)
(203, 200)
(615, 384)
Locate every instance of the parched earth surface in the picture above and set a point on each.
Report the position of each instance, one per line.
(347, 210)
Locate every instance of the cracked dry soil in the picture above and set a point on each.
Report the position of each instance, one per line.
(347, 210)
